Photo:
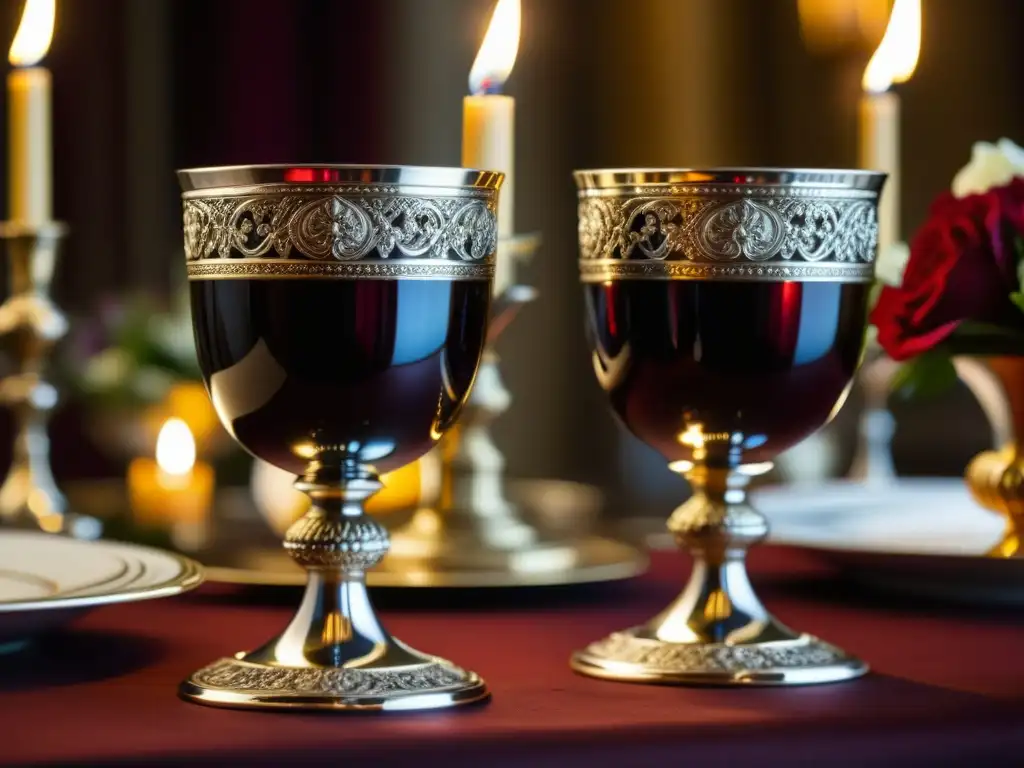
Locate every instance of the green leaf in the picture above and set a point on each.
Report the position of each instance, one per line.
(1018, 300)
(984, 339)
(927, 375)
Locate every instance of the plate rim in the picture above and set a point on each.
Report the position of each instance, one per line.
(190, 575)
(868, 491)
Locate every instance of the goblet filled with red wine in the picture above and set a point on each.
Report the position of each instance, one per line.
(726, 313)
(340, 314)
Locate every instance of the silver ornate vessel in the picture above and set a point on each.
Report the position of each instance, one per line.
(340, 316)
(726, 310)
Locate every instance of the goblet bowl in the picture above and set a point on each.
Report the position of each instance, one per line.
(340, 314)
(726, 311)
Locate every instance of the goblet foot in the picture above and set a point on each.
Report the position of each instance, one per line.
(422, 682)
(717, 632)
(335, 654)
(633, 656)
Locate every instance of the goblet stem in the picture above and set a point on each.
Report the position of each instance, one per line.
(335, 653)
(717, 632)
(717, 525)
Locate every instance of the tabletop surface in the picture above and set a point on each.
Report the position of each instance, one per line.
(947, 686)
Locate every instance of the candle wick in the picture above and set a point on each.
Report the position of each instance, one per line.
(489, 87)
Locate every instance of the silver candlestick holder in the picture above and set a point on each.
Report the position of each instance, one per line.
(30, 326)
(873, 460)
(484, 529)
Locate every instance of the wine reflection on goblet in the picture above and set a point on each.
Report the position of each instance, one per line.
(726, 314)
(340, 315)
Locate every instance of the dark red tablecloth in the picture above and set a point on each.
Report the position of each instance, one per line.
(947, 687)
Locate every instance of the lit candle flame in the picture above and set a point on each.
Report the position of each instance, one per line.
(497, 54)
(35, 32)
(175, 448)
(896, 57)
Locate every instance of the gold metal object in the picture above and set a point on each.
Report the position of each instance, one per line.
(474, 534)
(728, 226)
(30, 325)
(748, 224)
(717, 632)
(352, 223)
(541, 534)
(996, 478)
(235, 546)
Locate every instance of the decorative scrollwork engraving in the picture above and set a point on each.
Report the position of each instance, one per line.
(241, 677)
(741, 230)
(346, 233)
(711, 658)
(337, 541)
(693, 233)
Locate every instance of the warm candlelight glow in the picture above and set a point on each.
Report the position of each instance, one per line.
(174, 488)
(35, 32)
(896, 57)
(175, 448)
(497, 55)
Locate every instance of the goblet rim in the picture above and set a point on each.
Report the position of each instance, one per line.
(590, 179)
(205, 178)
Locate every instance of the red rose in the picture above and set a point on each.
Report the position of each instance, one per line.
(962, 266)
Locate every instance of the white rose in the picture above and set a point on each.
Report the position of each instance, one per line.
(892, 263)
(992, 165)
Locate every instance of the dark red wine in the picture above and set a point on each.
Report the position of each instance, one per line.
(371, 369)
(768, 360)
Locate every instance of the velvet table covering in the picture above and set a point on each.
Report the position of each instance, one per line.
(947, 686)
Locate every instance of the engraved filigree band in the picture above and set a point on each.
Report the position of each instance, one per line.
(237, 676)
(712, 657)
(747, 231)
(342, 231)
(624, 656)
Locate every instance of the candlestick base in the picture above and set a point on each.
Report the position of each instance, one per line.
(30, 325)
(478, 533)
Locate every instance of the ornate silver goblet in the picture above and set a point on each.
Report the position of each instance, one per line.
(340, 316)
(726, 312)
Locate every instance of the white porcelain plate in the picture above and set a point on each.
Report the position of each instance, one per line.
(46, 580)
(923, 537)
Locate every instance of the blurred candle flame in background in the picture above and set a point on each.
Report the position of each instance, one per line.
(829, 26)
(35, 32)
(896, 57)
(175, 449)
(497, 55)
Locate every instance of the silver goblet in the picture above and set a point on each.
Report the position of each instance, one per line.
(726, 312)
(340, 315)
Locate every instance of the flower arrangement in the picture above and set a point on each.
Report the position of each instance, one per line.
(134, 353)
(133, 365)
(957, 289)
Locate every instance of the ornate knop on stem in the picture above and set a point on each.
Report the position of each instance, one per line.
(335, 534)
